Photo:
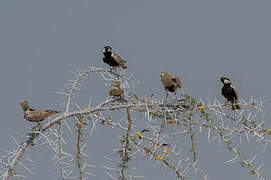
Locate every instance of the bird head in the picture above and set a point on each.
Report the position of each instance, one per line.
(115, 82)
(225, 80)
(163, 74)
(24, 105)
(107, 49)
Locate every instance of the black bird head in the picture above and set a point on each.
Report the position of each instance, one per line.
(225, 80)
(107, 49)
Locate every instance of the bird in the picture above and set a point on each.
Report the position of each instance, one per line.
(229, 92)
(115, 89)
(170, 82)
(35, 115)
(113, 59)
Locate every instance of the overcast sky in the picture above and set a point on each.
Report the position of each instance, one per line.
(43, 42)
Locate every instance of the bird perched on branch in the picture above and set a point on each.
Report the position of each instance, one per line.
(35, 115)
(113, 59)
(115, 89)
(171, 83)
(229, 92)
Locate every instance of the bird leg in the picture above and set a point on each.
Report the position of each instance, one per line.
(227, 104)
(115, 69)
(235, 106)
(165, 100)
(121, 99)
(37, 126)
(176, 95)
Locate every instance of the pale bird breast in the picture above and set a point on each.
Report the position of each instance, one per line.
(115, 91)
(165, 81)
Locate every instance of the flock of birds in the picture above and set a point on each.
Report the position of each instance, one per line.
(170, 82)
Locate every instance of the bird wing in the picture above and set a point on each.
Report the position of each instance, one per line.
(45, 114)
(176, 80)
(35, 116)
(119, 60)
(235, 92)
(165, 81)
(52, 111)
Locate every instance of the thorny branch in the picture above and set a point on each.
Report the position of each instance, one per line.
(79, 132)
(185, 115)
(124, 152)
(59, 153)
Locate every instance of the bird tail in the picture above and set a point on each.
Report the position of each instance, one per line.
(235, 106)
(124, 66)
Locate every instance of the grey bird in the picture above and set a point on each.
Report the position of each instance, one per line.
(170, 82)
(35, 115)
(115, 89)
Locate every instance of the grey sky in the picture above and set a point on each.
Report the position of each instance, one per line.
(42, 42)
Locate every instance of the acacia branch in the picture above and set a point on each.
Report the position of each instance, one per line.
(162, 112)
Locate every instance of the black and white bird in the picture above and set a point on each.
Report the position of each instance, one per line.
(229, 92)
(113, 59)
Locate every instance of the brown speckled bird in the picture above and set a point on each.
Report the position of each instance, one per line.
(35, 115)
(113, 59)
(171, 83)
(229, 92)
(115, 89)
